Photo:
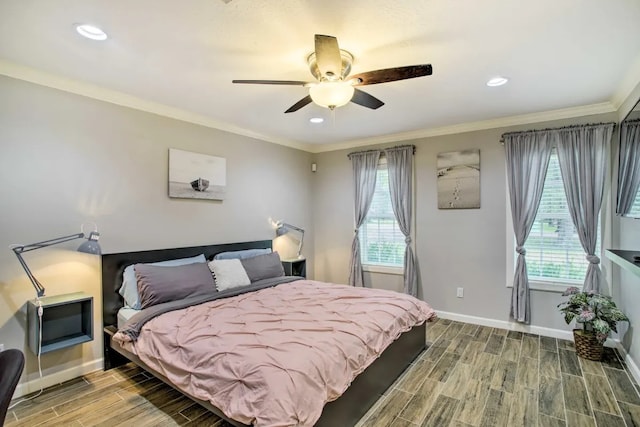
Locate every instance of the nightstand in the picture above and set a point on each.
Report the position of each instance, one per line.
(67, 320)
(112, 359)
(295, 267)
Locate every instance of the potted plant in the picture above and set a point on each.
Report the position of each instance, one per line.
(598, 315)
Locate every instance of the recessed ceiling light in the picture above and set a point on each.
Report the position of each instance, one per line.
(497, 81)
(91, 32)
(316, 120)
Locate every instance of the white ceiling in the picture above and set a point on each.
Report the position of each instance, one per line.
(558, 54)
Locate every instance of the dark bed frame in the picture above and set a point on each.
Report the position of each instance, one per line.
(347, 410)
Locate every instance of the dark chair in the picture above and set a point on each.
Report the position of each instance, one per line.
(11, 365)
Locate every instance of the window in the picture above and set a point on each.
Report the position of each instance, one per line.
(635, 208)
(554, 252)
(381, 241)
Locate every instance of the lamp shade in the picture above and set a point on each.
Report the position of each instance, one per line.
(331, 94)
(281, 230)
(91, 245)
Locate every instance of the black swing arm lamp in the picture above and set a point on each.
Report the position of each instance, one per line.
(283, 228)
(90, 246)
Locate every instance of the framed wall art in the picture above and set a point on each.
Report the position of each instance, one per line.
(196, 176)
(459, 179)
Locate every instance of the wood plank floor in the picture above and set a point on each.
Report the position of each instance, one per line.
(469, 376)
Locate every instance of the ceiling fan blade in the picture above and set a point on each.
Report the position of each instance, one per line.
(391, 74)
(363, 98)
(298, 105)
(328, 56)
(272, 82)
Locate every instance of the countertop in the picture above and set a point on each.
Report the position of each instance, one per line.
(624, 258)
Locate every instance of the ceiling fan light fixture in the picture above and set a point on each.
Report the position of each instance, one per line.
(331, 66)
(91, 32)
(497, 81)
(331, 94)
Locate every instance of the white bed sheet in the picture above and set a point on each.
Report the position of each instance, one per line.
(124, 314)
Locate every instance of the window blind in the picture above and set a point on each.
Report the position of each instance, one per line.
(381, 241)
(635, 208)
(554, 252)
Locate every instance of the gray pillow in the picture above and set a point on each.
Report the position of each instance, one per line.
(246, 253)
(129, 288)
(158, 284)
(263, 266)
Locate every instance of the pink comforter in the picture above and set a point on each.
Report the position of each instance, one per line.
(274, 357)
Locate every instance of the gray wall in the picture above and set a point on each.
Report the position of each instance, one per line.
(455, 248)
(68, 159)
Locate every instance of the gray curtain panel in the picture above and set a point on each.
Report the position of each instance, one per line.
(400, 166)
(629, 167)
(527, 156)
(582, 155)
(365, 166)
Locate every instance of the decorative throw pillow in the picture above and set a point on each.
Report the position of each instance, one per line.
(157, 284)
(229, 274)
(263, 266)
(129, 288)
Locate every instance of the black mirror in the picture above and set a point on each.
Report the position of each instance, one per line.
(628, 198)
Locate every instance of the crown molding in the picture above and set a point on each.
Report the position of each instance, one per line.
(545, 116)
(88, 90)
(43, 78)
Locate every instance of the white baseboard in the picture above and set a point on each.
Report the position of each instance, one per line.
(515, 326)
(631, 364)
(34, 385)
(511, 326)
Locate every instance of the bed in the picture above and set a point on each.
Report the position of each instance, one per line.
(346, 410)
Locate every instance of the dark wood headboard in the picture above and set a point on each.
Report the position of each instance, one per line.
(114, 264)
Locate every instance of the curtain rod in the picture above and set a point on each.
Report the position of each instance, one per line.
(381, 150)
(586, 126)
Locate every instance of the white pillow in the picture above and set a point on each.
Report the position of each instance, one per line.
(228, 274)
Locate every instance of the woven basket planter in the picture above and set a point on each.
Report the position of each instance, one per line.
(587, 345)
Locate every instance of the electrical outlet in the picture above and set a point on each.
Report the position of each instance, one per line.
(460, 292)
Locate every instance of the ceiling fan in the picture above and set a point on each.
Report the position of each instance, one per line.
(331, 65)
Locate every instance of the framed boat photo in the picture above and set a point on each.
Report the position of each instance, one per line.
(196, 176)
